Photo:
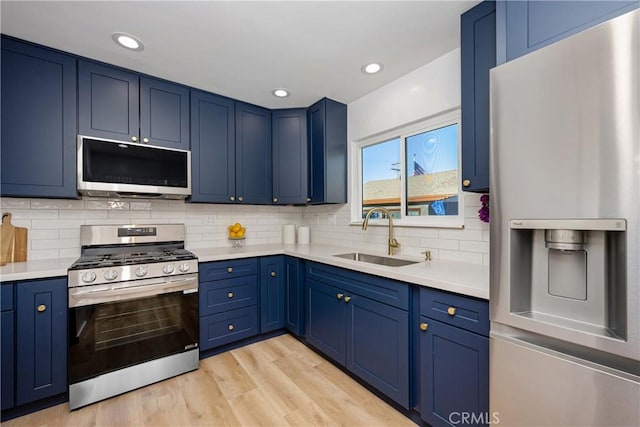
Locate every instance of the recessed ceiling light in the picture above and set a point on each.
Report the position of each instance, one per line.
(373, 68)
(128, 41)
(280, 93)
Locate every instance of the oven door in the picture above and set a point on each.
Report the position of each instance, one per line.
(119, 325)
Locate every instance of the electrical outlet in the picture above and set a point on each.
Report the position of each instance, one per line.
(331, 219)
(209, 219)
(316, 219)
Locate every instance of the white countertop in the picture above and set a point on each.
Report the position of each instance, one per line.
(462, 278)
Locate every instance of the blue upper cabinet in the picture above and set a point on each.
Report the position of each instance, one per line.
(213, 148)
(108, 101)
(327, 152)
(38, 136)
(164, 113)
(253, 154)
(121, 105)
(524, 26)
(478, 56)
(289, 131)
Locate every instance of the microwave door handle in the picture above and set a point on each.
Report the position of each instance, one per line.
(79, 298)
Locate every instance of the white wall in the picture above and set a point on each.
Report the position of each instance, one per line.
(429, 90)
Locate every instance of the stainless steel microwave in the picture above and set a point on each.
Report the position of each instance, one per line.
(122, 169)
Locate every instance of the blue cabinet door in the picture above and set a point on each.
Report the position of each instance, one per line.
(454, 374)
(378, 346)
(289, 128)
(478, 56)
(327, 152)
(164, 114)
(272, 293)
(8, 359)
(108, 102)
(41, 351)
(213, 148)
(294, 284)
(525, 26)
(38, 131)
(253, 154)
(326, 320)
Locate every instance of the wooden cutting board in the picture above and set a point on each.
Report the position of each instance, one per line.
(13, 241)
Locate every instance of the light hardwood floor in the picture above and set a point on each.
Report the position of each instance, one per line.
(277, 382)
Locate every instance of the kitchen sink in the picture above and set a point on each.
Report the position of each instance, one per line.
(376, 259)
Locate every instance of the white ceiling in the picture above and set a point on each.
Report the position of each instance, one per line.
(245, 49)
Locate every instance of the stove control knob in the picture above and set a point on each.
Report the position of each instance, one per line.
(88, 277)
(141, 271)
(184, 267)
(167, 269)
(110, 275)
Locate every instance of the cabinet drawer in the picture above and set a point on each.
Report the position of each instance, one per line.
(227, 327)
(464, 312)
(226, 269)
(229, 294)
(6, 297)
(379, 289)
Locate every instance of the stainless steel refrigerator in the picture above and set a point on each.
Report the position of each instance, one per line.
(565, 232)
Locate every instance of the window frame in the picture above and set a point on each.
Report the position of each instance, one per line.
(436, 121)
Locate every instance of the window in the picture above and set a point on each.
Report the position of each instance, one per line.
(413, 172)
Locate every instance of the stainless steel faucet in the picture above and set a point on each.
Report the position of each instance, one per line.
(391, 242)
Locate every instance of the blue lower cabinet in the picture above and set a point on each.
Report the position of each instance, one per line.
(454, 375)
(294, 296)
(378, 346)
(272, 293)
(8, 360)
(227, 327)
(326, 320)
(41, 345)
(228, 294)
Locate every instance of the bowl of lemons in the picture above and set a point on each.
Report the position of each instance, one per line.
(236, 234)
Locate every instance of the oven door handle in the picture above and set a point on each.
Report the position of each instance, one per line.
(79, 297)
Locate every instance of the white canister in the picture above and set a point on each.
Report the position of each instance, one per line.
(303, 235)
(289, 234)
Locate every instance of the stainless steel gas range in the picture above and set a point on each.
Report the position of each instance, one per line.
(133, 310)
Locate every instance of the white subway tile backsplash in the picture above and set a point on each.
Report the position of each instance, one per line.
(83, 214)
(55, 244)
(473, 258)
(42, 234)
(56, 223)
(471, 246)
(11, 203)
(452, 245)
(33, 214)
(34, 254)
(57, 204)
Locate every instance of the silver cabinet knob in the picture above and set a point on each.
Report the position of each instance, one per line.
(134, 138)
(273, 274)
(275, 200)
(145, 140)
(466, 183)
(232, 198)
(240, 199)
(308, 199)
(231, 327)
